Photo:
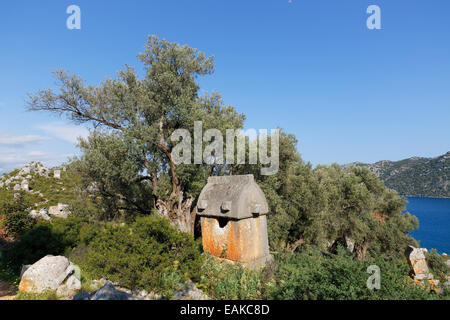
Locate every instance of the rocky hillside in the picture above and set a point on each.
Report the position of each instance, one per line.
(51, 192)
(421, 177)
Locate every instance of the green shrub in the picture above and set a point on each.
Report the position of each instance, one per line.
(33, 245)
(68, 231)
(224, 281)
(16, 214)
(437, 265)
(310, 275)
(56, 238)
(141, 254)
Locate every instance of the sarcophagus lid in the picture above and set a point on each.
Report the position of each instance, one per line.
(232, 197)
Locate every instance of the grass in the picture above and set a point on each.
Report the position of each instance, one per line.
(47, 295)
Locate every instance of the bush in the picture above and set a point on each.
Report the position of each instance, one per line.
(225, 281)
(310, 275)
(141, 254)
(16, 214)
(34, 245)
(437, 265)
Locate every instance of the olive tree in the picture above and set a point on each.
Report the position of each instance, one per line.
(129, 153)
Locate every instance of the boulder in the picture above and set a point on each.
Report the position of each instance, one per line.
(71, 287)
(448, 263)
(416, 260)
(190, 292)
(50, 273)
(59, 211)
(25, 186)
(25, 267)
(82, 296)
(57, 174)
(43, 214)
(34, 214)
(107, 292)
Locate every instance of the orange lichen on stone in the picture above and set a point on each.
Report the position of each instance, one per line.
(233, 217)
(239, 240)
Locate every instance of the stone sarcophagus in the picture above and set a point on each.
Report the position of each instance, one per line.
(232, 212)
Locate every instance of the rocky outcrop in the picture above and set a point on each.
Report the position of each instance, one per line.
(51, 273)
(111, 291)
(416, 259)
(59, 211)
(420, 272)
(189, 292)
(20, 180)
(107, 292)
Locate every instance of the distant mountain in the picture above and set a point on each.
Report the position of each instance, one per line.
(421, 177)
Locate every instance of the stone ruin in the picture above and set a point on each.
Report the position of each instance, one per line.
(420, 272)
(232, 211)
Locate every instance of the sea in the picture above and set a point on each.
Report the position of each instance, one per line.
(434, 222)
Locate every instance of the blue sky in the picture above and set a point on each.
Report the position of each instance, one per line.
(310, 67)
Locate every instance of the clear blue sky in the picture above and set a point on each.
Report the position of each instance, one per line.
(309, 66)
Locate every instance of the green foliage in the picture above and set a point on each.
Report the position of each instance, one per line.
(313, 276)
(16, 219)
(55, 238)
(170, 282)
(225, 281)
(8, 275)
(327, 205)
(33, 245)
(437, 265)
(142, 254)
(131, 159)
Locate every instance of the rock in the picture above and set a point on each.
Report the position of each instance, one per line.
(60, 211)
(350, 244)
(448, 263)
(17, 187)
(190, 292)
(109, 292)
(416, 260)
(140, 293)
(25, 186)
(34, 214)
(421, 277)
(57, 174)
(82, 296)
(25, 267)
(49, 273)
(446, 285)
(71, 287)
(93, 188)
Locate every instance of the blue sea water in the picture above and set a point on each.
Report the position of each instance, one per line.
(434, 222)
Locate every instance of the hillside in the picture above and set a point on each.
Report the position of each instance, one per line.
(421, 177)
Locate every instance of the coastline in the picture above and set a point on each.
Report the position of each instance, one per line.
(425, 197)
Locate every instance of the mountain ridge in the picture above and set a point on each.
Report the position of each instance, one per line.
(415, 176)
